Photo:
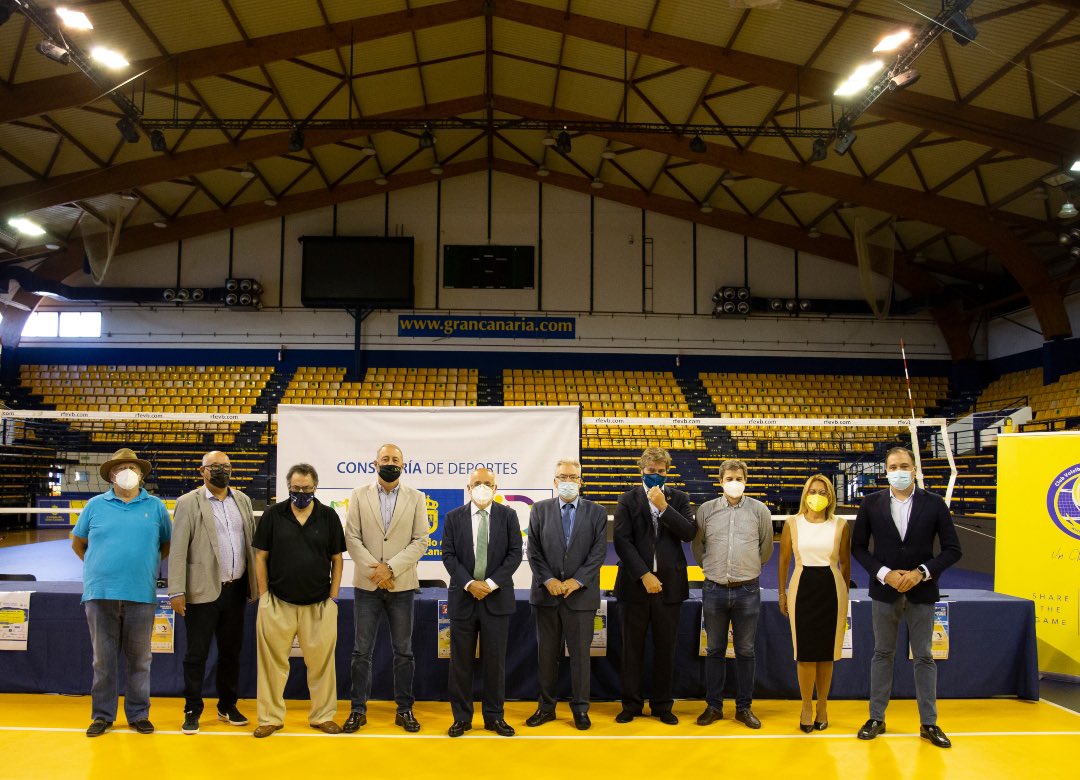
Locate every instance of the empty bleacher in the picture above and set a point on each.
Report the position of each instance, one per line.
(1055, 406)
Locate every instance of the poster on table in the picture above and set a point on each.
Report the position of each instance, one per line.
(164, 636)
(14, 619)
(441, 447)
(939, 640)
(1037, 551)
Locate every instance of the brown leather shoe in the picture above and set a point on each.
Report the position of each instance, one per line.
(327, 727)
(266, 730)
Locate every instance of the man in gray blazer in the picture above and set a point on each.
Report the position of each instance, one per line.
(567, 545)
(211, 579)
(386, 532)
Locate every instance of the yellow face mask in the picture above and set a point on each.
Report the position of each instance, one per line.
(817, 502)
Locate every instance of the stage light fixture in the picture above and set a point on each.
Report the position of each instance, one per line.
(844, 142)
(161, 224)
(54, 52)
(245, 285)
(26, 227)
(169, 294)
(256, 287)
(1068, 210)
(271, 202)
(382, 181)
(791, 304)
(728, 293)
(76, 20)
(718, 310)
(542, 171)
(608, 153)
(717, 296)
(963, 31)
(436, 170)
(805, 305)
(893, 41)
(706, 208)
(296, 140)
(742, 307)
(1074, 253)
(697, 145)
(232, 285)
(596, 184)
(127, 129)
(157, 141)
(368, 151)
(729, 307)
(109, 58)
(903, 80)
(776, 304)
(1075, 166)
(231, 299)
(427, 140)
(819, 151)
(742, 293)
(859, 79)
(198, 294)
(563, 142)
(245, 299)
(548, 139)
(182, 294)
(813, 233)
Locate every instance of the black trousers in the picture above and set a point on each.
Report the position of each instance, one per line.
(493, 631)
(552, 625)
(635, 619)
(223, 619)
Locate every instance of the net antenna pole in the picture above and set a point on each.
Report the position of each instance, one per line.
(912, 426)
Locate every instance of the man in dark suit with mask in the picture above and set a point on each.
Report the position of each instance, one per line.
(481, 551)
(567, 545)
(904, 572)
(651, 523)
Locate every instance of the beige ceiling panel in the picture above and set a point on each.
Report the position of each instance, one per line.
(1009, 94)
(940, 161)
(999, 41)
(790, 33)
(377, 55)
(808, 206)
(454, 79)
(589, 96)
(708, 21)
(967, 188)
(170, 23)
(665, 187)
(527, 141)
(524, 80)
(389, 92)
(775, 212)
(699, 179)
(451, 39)
(595, 58)
(31, 147)
(746, 108)
(301, 89)
(340, 10)
(526, 40)
(901, 173)
(1057, 72)
(675, 94)
(635, 13)
(1004, 178)
(259, 17)
(778, 147)
(365, 172)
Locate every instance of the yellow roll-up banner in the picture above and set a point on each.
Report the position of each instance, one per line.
(1038, 538)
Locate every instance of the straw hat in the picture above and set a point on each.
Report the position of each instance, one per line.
(124, 455)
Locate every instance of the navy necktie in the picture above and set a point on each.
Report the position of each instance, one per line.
(567, 522)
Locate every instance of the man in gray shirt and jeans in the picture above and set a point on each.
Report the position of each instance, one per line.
(734, 540)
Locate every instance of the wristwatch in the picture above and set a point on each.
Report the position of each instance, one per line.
(391, 568)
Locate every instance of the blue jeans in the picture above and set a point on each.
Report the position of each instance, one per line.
(115, 626)
(368, 608)
(738, 607)
(920, 626)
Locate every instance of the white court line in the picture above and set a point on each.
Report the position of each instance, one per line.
(1061, 707)
(541, 737)
(973, 531)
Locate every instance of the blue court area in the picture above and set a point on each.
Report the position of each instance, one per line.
(55, 562)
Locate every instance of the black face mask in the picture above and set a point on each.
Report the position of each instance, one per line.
(301, 500)
(219, 479)
(389, 473)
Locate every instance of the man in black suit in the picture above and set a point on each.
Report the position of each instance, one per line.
(481, 550)
(651, 523)
(904, 572)
(567, 545)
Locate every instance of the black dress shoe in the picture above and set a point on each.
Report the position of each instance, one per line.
(354, 722)
(581, 720)
(539, 718)
(871, 729)
(625, 716)
(935, 735)
(748, 717)
(806, 728)
(710, 716)
(821, 725)
(98, 727)
(459, 728)
(500, 727)
(667, 717)
(407, 721)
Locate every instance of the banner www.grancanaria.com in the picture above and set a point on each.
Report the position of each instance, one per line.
(1038, 538)
(441, 447)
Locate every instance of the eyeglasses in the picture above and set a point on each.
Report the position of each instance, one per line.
(310, 489)
(214, 468)
(568, 478)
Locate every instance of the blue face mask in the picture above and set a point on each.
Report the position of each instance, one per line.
(652, 480)
(301, 500)
(901, 480)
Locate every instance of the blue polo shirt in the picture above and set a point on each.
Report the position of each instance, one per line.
(123, 551)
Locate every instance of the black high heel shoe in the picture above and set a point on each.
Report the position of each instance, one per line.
(821, 725)
(806, 727)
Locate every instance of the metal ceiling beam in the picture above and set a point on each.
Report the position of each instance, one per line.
(962, 218)
(44, 95)
(1037, 140)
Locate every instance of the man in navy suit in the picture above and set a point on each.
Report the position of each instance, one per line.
(481, 551)
(567, 545)
(651, 523)
(904, 572)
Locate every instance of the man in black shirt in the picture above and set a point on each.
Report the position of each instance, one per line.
(298, 546)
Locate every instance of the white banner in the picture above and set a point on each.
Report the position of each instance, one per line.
(441, 446)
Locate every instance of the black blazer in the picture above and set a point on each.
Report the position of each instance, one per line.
(930, 518)
(634, 544)
(459, 558)
(550, 557)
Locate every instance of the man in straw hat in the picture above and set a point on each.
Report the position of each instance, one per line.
(121, 537)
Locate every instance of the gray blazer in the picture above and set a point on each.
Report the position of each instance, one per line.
(401, 546)
(193, 556)
(550, 556)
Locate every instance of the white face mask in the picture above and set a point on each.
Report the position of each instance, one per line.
(127, 480)
(568, 491)
(482, 495)
(734, 488)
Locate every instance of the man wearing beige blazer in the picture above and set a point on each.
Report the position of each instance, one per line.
(211, 579)
(386, 532)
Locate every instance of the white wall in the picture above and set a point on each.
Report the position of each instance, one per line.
(610, 309)
(1006, 338)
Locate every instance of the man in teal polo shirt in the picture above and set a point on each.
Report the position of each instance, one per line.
(121, 537)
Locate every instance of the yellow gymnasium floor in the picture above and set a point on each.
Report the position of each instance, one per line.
(43, 737)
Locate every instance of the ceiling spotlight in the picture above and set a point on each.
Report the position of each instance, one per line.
(76, 20)
(169, 294)
(231, 299)
(717, 296)
(160, 223)
(127, 129)
(270, 202)
(844, 142)
(819, 151)
(382, 181)
(813, 233)
(247, 173)
(727, 180)
(110, 58)
(860, 79)
(791, 304)
(232, 285)
(182, 294)
(729, 293)
(436, 170)
(1039, 192)
(596, 184)
(697, 145)
(608, 153)
(548, 139)
(157, 141)
(776, 304)
(742, 307)
(26, 227)
(903, 80)
(805, 305)
(893, 41)
(1075, 166)
(367, 151)
(128, 195)
(963, 31)
(1074, 253)
(706, 208)
(427, 140)
(729, 307)
(563, 142)
(1068, 210)
(54, 52)
(1064, 239)
(296, 140)
(542, 171)
(245, 285)
(198, 294)
(52, 247)
(245, 299)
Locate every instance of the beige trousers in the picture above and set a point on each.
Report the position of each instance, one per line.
(316, 626)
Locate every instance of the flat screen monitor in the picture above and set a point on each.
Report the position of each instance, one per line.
(357, 271)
